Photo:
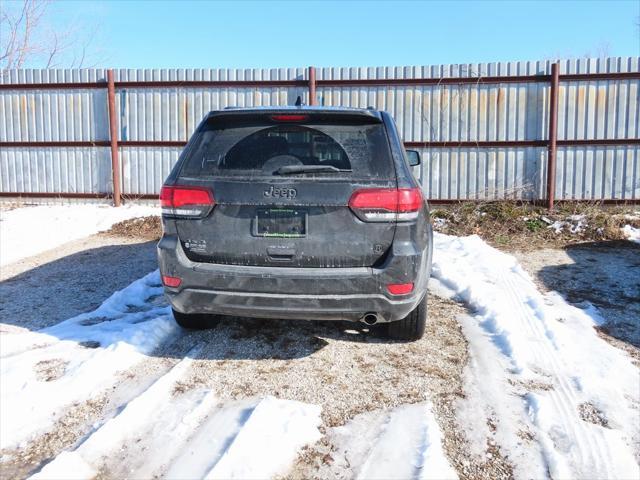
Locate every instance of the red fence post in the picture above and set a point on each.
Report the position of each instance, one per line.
(113, 137)
(553, 135)
(312, 86)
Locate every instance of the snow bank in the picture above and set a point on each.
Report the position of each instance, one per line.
(536, 365)
(81, 358)
(31, 230)
(392, 444)
(632, 234)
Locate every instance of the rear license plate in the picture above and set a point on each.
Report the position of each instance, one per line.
(281, 222)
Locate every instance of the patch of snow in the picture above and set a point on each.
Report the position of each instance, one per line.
(534, 361)
(66, 466)
(31, 230)
(197, 437)
(440, 222)
(632, 234)
(573, 223)
(269, 440)
(392, 444)
(93, 347)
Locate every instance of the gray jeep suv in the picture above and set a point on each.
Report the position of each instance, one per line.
(297, 212)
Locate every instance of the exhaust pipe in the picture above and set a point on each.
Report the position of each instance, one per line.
(370, 318)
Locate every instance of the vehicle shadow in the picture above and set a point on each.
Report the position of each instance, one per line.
(64, 288)
(237, 338)
(77, 283)
(607, 275)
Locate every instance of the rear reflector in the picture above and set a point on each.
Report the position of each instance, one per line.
(289, 118)
(400, 288)
(386, 204)
(171, 281)
(186, 201)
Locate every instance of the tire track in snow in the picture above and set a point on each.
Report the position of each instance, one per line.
(543, 335)
(196, 436)
(562, 395)
(402, 443)
(94, 354)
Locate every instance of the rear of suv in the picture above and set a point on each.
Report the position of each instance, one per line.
(302, 212)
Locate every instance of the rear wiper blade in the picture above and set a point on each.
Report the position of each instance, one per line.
(292, 169)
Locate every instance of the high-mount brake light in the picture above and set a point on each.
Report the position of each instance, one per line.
(186, 201)
(386, 204)
(289, 118)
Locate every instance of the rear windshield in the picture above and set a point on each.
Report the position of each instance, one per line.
(331, 151)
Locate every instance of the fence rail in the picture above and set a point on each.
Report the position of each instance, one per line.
(534, 131)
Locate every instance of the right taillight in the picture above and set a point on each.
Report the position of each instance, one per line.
(179, 201)
(386, 204)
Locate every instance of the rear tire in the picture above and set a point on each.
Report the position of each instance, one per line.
(195, 321)
(411, 327)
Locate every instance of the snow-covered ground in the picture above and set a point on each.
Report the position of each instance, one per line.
(559, 398)
(633, 234)
(30, 230)
(541, 388)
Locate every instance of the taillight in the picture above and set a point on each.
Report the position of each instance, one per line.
(400, 288)
(386, 204)
(181, 201)
(173, 282)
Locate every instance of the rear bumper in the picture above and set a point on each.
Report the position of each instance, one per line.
(297, 293)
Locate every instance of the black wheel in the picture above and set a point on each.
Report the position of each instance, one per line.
(412, 326)
(195, 321)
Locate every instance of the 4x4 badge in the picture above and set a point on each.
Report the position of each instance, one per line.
(272, 192)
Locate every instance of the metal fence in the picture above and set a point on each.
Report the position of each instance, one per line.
(486, 131)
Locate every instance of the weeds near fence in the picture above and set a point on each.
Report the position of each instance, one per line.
(514, 225)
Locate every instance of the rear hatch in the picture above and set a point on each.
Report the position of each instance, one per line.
(277, 188)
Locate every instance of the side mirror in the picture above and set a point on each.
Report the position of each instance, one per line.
(414, 157)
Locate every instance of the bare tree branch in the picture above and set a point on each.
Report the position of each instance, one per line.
(30, 38)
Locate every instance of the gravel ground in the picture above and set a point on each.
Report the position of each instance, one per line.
(345, 368)
(606, 274)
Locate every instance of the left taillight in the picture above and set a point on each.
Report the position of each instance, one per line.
(387, 204)
(182, 201)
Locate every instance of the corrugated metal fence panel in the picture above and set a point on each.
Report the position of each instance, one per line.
(49, 115)
(56, 75)
(449, 113)
(55, 169)
(484, 173)
(155, 114)
(438, 113)
(145, 168)
(585, 173)
(603, 109)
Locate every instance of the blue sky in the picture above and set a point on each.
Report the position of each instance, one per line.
(182, 34)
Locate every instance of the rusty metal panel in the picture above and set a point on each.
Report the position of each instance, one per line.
(483, 173)
(53, 115)
(448, 113)
(55, 169)
(155, 114)
(145, 168)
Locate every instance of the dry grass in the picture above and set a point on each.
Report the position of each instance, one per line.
(148, 228)
(515, 226)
